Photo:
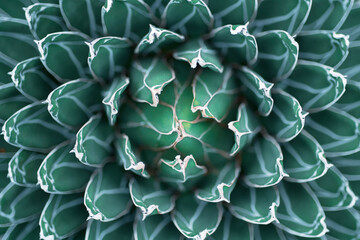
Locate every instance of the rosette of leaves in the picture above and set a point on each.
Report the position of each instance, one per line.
(174, 119)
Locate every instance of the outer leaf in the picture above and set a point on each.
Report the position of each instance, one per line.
(14, 8)
(6, 153)
(19, 129)
(92, 146)
(62, 173)
(25, 231)
(63, 215)
(195, 218)
(263, 232)
(293, 217)
(343, 224)
(349, 166)
(235, 43)
(70, 104)
(189, 18)
(314, 95)
(349, 27)
(157, 7)
(349, 67)
(349, 102)
(305, 160)
(107, 194)
(254, 205)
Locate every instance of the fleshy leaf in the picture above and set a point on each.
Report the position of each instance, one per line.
(234, 43)
(350, 26)
(305, 160)
(62, 216)
(92, 146)
(338, 137)
(157, 7)
(296, 219)
(189, 18)
(287, 118)
(197, 52)
(126, 18)
(350, 102)
(195, 218)
(109, 56)
(278, 54)
(107, 194)
(19, 129)
(24, 231)
(214, 93)
(349, 166)
(110, 230)
(343, 224)
(7, 151)
(254, 205)
(14, 8)
(264, 232)
(349, 67)
(148, 77)
(62, 173)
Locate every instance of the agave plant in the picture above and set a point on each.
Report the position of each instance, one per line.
(180, 119)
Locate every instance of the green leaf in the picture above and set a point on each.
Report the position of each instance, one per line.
(62, 216)
(333, 191)
(244, 128)
(19, 129)
(264, 232)
(254, 205)
(126, 18)
(110, 230)
(157, 7)
(151, 197)
(14, 204)
(24, 231)
(32, 80)
(197, 52)
(109, 57)
(233, 11)
(107, 194)
(23, 167)
(350, 26)
(296, 219)
(148, 77)
(113, 98)
(217, 186)
(343, 224)
(83, 15)
(289, 16)
(7, 151)
(314, 95)
(338, 137)
(262, 162)
(157, 39)
(278, 54)
(14, 8)
(195, 218)
(70, 104)
(93, 142)
(328, 14)
(349, 102)
(189, 18)
(256, 90)
(287, 118)
(44, 18)
(305, 160)
(62, 173)
(349, 67)
(234, 44)
(214, 93)
(70, 49)
(349, 166)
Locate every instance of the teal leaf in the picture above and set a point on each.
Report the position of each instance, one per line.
(195, 218)
(23, 167)
(93, 142)
(19, 129)
(110, 230)
(148, 77)
(24, 231)
(289, 16)
(113, 97)
(338, 137)
(7, 151)
(287, 118)
(349, 166)
(62, 173)
(62, 216)
(262, 162)
(254, 205)
(157, 7)
(109, 57)
(349, 27)
(70, 104)
(126, 18)
(314, 95)
(197, 52)
(107, 194)
(278, 54)
(189, 18)
(214, 93)
(14, 8)
(151, 197)
(70, 49)
(349, 67)
(343, 224)
(264, 232)
(296, 219)
(234, 44)
(349, 102)
(305, 158)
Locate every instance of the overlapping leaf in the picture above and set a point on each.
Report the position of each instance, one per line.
(349, 67)
(349, 167)
(24, 231)
(110, 230)
(343, 224)
(349, 102)
(350, 25)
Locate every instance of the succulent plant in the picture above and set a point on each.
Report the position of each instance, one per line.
(180, 119)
